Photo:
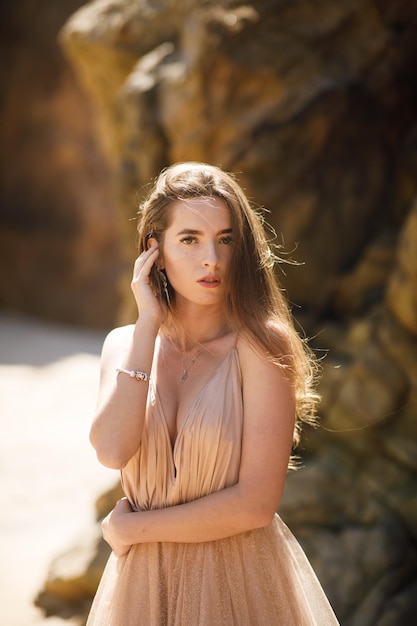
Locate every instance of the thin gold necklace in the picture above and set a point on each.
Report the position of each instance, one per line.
(187, 369)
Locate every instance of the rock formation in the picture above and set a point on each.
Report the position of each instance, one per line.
(59, 249)
(296, 100)
(313, 106)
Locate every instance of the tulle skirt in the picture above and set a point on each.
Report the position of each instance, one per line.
(258, 578)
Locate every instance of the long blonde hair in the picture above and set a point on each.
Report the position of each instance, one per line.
(256, 301)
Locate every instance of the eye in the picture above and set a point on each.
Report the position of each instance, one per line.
(188, 240)
(227, 240)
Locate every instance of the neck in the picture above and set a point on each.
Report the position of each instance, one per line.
(191, 327)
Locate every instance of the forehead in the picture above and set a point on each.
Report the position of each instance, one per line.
(201, 211)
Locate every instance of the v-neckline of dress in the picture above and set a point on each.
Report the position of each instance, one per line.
(189, 410)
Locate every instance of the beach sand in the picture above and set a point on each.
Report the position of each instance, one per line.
(49, 475)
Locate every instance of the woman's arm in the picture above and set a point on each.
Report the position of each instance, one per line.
(117, 427)
(269, 416)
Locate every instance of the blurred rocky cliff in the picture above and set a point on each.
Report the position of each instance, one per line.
(314, 106)
(59, 248)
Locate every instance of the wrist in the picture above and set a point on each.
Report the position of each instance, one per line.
(148, 322)
(124, 527)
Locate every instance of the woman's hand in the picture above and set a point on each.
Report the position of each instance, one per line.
(110, 526)
(146, 301)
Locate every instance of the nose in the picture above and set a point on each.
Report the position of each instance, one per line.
(210, 257)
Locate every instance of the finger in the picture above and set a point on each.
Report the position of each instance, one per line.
(144, 263)
(151, 253)
(120, 503)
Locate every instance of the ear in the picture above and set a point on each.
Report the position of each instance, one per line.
(151, 241)
(160, 262)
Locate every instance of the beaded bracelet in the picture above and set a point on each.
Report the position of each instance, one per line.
(143, 376)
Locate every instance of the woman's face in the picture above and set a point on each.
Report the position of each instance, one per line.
(196, 250)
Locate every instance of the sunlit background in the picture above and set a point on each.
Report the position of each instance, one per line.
(313, 105)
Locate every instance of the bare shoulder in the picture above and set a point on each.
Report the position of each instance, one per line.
(251, 352)
(262, 376)
(117, 339)
(120, 334)
(267, 390)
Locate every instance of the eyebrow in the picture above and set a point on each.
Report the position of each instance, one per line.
(191, 231)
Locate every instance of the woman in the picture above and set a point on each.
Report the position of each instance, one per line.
(200, 404)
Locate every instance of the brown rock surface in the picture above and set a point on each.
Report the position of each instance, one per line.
(402, 287)
(59, 253)
(297, 100)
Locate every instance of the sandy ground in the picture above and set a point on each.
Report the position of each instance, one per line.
(49, 476)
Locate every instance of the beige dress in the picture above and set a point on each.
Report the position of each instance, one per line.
(257, 578)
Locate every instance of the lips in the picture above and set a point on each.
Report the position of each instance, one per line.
(209, 281)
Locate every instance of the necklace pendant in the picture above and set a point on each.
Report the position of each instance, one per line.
(186, 369)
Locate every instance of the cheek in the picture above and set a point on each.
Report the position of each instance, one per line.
(176, 265)
(226, 257)
(177, 255)
(228, 266)
(228, 252)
